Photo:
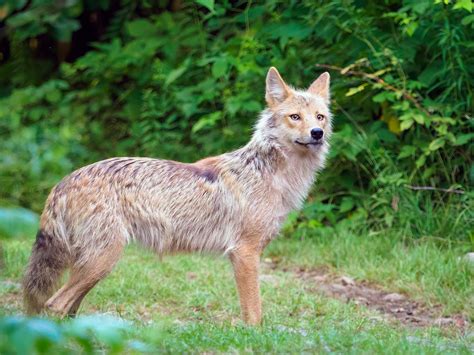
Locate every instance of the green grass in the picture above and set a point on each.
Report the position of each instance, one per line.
(188, 303)
(422, 269)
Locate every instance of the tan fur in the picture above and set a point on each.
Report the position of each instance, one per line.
(232, 204)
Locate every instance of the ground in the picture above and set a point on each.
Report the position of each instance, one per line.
(331, 293)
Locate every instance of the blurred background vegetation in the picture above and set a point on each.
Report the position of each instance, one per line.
(84, 80)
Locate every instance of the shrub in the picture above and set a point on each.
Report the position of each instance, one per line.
(183, 83)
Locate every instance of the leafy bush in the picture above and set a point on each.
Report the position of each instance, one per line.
(188, 82)
(89, 334)
(17, 222)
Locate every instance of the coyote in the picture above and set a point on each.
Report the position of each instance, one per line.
(233, 204)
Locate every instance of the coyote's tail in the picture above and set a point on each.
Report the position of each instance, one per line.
(48, 260)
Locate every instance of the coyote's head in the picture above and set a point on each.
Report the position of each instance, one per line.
(300, 120)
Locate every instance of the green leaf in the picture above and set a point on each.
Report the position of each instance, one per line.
(353, 91)
(209, 4)
(108, 330)
(286, 30)
(411, 28)
(467, 20)
(420, 161)
(407, 151)
(463, 4)
(175, 74)
(347, 204)
(406, 124)
(219, 68)
(436, 144)
(383, 96)
(24, 28)
(64, 28)
(21, 19)
(45, 329)
(463, 139)
(141, 28)
(419, 118)
(206, 121)
(431, 73)
(53, 95)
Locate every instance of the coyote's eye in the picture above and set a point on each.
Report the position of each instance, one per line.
(295, 117)
(319, 117)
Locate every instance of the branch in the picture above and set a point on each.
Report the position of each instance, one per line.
(431, 188)
(378, 80)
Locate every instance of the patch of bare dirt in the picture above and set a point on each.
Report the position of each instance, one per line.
(390, 305)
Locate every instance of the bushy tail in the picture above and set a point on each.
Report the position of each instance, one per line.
(47, 262)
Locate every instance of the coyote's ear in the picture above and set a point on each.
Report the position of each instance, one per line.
(276, 91)
(321, 86)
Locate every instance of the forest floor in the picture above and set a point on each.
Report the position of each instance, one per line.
(334, 293)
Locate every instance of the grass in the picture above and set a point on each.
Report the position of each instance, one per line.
(188, 303)
(423, 270)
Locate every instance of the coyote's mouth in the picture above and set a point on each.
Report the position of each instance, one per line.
(309, 143)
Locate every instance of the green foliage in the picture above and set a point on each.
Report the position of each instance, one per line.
(17, 222)
(188, 82)
(57, 19)
(87, 334)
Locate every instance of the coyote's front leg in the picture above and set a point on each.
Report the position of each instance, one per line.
(246, 263)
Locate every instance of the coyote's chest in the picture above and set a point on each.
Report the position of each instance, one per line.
(281, 192)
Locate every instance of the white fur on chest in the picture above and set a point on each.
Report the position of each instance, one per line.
(291, 185)
(293, 181)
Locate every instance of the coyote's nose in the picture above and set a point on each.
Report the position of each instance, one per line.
(317, 133)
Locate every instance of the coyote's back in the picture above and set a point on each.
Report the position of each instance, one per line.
(110, 203)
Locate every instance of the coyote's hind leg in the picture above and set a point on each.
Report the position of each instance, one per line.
(82, 279)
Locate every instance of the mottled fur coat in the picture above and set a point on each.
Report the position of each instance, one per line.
(233, 204)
